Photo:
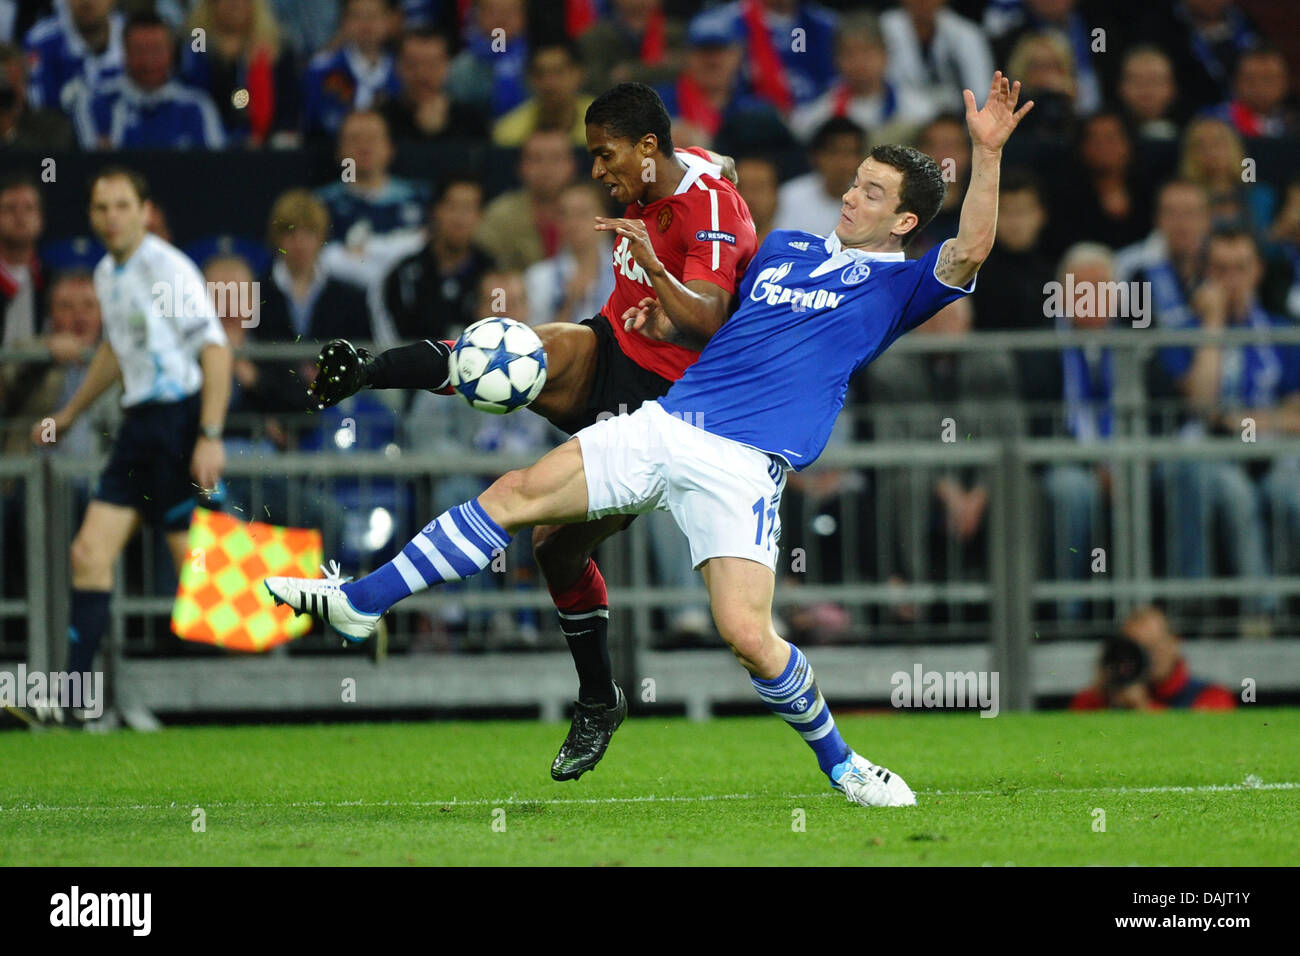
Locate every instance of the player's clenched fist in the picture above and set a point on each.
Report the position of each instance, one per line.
(342, 369)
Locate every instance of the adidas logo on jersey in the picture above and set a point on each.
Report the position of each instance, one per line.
(801, 246)
(767, 288)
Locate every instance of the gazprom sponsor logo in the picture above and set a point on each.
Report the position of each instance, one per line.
(768, 288)
(714, 235)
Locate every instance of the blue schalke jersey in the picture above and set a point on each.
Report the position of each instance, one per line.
(811, 314)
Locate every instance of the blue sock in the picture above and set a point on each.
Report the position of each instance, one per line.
(88, 620)
(794, 697)
(455, 545)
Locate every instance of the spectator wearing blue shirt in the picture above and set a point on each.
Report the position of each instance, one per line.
(1231, 389)
(1258, 108)
(1077, 492)
(789, 49)
(1284, 241)
(709, 89)
(72, 51)
(861, 91)
(356, 75)
(377, 217)
(1170, 261)
(1205, 39)
(146, 108)
(309, 25)
(489, 73)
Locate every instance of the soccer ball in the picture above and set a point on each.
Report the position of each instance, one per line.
(498, 365)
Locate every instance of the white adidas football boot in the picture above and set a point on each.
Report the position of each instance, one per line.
(324, 598)
(867, 785)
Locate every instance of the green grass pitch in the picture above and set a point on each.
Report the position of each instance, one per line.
(1175, 788)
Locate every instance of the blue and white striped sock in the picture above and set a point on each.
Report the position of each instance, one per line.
(794, 697)
(455, 545)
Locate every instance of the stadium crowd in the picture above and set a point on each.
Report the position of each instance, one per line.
(1154, 155)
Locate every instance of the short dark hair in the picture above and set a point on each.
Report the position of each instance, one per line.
(441, 189)
(923, 187)
(9, 52)
(569, 47)
(629, 111)
(1179, 182)
(837, 126)
(21, 180)
(757, 157)
(138, 182)
(1234, 230)
(1260, 50)
(145, 19)
(1102, 115)
(942, 119)
(71, 274)
(425, 33)
(1019, 179)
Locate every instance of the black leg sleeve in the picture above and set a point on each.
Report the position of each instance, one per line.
(418, 365)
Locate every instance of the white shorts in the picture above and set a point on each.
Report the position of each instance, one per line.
(725, 496)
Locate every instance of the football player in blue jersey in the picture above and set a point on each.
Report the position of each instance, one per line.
(714, 451)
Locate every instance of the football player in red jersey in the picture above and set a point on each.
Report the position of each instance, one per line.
(684, 241)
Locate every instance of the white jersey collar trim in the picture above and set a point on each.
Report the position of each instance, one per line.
(834, 247)
(696, 166)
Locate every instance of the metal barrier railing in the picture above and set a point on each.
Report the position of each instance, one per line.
(1004, 592)
(1008, 594)
(23, 506)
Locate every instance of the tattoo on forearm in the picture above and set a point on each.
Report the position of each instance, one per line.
(947, 261)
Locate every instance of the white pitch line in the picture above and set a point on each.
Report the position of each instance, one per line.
(704, 798)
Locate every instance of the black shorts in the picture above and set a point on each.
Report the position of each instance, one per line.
(149, 468)
(619, 385)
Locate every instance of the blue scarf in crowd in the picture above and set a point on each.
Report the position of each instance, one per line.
(1250, 374)
(1089, 393)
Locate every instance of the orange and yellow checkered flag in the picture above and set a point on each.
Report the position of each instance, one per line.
(221, 599)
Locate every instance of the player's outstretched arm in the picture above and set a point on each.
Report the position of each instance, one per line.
(989, 128)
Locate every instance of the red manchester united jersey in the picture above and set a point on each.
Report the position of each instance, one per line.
(703, 231)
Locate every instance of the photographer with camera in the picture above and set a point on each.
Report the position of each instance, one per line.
(1144, 669)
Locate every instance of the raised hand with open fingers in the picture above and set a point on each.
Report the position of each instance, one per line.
(991, 126)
